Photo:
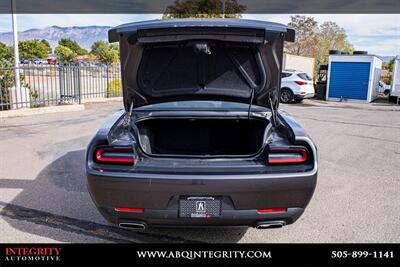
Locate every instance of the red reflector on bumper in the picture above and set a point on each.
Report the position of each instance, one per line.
(271, 210)
(137, 210)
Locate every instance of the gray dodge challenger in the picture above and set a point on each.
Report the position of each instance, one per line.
(201, 142)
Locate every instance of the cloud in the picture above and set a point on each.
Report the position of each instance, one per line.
(376, 33)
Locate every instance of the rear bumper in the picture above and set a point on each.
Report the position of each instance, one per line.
(241, 196)
(309, 95)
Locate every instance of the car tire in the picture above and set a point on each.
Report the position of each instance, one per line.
(392, 99)
(386, 92)
(286, 96)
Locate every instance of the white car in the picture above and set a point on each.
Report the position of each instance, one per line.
(383, 88)
(39, 61)
(296, 86)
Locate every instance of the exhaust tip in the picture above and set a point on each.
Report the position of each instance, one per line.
(270, 225)
(133, 225)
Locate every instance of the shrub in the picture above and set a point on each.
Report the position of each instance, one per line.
(114, 88)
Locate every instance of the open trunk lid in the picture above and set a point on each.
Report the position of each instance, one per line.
(201, 59)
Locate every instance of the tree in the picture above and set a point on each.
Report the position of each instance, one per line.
(48, 46)
(108, 55)
(7, 81)
(306, 36)
(389, 66)
(3, 50)
(204, 9)
(330, 37)
(115, 46)
(316, 41)
(64, 53)
(32, 49)
(6, 52)
(97, 47)
(73, 45)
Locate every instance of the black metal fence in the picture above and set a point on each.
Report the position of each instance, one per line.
(49, 85)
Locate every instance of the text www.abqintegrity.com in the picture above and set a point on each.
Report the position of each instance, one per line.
(203, 254)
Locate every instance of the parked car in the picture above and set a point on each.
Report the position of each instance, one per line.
(24, 60)
(383, 88)
(39, 61)
(99, 64)
(296, 86)
(201, 141)
(52, 61)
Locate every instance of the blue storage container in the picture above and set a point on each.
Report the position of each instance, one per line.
(353, 77)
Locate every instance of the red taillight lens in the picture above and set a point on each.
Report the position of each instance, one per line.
(272, 210)
(135, 210)
(300, 82)
(117, 155)
(281, 156)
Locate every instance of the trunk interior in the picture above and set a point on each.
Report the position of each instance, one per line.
(201, 137)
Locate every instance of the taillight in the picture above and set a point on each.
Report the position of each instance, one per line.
(300, 82)
(116, 155)
(289, 155)
(273, 210)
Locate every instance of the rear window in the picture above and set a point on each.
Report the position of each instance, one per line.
(304, 76)
(179, 68)
(285, 75)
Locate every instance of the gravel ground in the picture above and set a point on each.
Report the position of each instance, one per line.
(43, 196)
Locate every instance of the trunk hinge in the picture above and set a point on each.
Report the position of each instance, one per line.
(128, 117)
(273, 113)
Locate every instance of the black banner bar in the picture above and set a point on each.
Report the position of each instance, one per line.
(200, 254)
(160, 6)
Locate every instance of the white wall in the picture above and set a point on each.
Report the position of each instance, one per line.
(395, 86)
(299, 63)
(375, 76)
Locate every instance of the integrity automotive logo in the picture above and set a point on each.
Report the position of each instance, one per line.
(32, 254)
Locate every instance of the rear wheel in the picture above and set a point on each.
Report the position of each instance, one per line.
(286, 96)
(392, 99)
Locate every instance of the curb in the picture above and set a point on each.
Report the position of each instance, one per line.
(38, 111)
(374, 106)
(101, 100)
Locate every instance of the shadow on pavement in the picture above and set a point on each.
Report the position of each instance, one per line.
(57, 205)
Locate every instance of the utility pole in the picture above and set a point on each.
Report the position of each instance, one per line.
(223, 8)
(16, 52)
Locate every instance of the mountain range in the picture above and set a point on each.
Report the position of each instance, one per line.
(84, 36)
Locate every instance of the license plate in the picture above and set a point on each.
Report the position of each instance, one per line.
(199, 207)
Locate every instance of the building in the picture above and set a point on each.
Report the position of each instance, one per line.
(299, 63)
(353, 77)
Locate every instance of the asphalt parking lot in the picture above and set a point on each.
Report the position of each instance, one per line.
(43, 196)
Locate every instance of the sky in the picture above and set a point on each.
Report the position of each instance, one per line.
(376, 33)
